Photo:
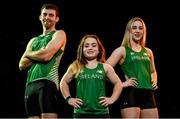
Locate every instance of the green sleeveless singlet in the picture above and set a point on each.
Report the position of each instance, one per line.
(137, 64)
(91, 86)
(44, 70)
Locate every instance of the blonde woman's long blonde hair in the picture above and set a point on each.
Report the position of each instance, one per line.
(80, 61)
(126, 38)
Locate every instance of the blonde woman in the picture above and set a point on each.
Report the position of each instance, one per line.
(137, 63)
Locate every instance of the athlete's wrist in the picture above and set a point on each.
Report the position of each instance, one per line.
(68, 98)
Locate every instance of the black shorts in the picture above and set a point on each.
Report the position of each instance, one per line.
(41, 97)
(133, 97)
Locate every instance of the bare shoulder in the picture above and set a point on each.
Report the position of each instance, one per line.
(120, 52)
(107, 67)
(31, 41)
(120, 49)
(69, 71)
(60, 32)
(148, 50)
(70, 68)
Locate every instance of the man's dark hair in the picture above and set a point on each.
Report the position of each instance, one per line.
(51, 6)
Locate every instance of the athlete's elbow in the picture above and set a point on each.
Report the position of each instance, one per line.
(21, 67)
(47, 57)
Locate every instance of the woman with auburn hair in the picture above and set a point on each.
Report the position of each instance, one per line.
(90, 73)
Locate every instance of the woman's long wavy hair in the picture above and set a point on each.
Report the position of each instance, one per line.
(126, 38)
(81, 61)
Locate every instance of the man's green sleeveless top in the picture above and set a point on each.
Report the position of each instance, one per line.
(44, 70)
(90, 85)
(137, 64)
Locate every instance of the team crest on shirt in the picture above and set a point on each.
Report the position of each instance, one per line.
(145, 54)
(132, 53)
(99, 71)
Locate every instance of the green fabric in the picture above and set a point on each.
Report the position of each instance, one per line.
(137, 64)
(41, 70)
(91, 86)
